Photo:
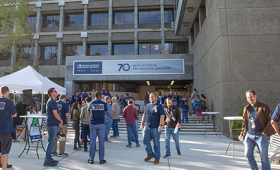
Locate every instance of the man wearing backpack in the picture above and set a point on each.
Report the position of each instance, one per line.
(197, 107)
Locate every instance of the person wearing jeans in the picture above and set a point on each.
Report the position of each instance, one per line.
(85, 119)
(108, 118)
(75, 117)
(184, 109)
(137, 107)
(53, 122)
(256, 128)
(115, 110)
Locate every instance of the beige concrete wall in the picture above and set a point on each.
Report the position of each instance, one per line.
(144, 89)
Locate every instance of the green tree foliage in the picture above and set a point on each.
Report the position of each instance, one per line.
(237, 124)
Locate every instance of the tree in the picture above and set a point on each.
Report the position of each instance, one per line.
(17, 31)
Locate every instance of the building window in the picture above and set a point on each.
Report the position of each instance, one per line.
(50, 20)
(168, 15)
(176, 47)
(76, 19)
(73, 50)
(48, 52)
(99, 18)
(27, 53)
(98, 50)
(32, 21)
(124, 17)
(150, 48)
(149, 17)
(123, 49)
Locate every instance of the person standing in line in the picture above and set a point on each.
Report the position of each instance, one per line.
(125, 100)
(159, 97)
(53, 122)
(7, 112)
(115, 110)
(193, 97)
(172, 125)
(104, 92)
(97, 110)
(85, 119)
(137, 107)
(175, 102)
(154, 118)
(130, 114)
(68, 102)
(170, 94)
(84, 95)
(79, 97)
(197, 108)
(75, 117)
(82, 125)
(177, 96)
(256, 128)
(163, 98)
(185, 109)
(147, 101)
(64, 114)
(275, 118)
(108, 118)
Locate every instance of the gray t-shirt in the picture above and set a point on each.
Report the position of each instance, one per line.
(194, 96)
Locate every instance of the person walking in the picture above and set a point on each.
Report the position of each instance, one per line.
(75, 117)
(64, 114)
(115, 110)
(7, 112)
(130, 114)
(154, 118)
(184, 109)
(108, 118)
(53, 122)
(275, 118)
(85, 119)
(137, 107)
(256, 128)
(197, 107)
(172, 124)
(97, 110)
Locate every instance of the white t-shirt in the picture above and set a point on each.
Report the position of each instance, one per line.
(194, 95)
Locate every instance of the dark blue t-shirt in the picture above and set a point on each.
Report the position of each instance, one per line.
(125, 100)
(153, 113)
(170, 96)
(79, 96)
(258, 128)
(97, 109)
(276, 114)
(7, 109)
(163, 98)
(85, 95)
(51, 120)
(184, 105)
(68, 102)
(63, 108)
(104, 93)
(137, 110)
(176, 103)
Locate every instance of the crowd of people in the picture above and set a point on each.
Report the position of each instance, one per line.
(98, 112)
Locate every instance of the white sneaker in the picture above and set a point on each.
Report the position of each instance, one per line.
(193, 115)
(200, 122)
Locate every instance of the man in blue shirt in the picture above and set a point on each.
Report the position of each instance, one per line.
(97, 110)
(79, 97)
(108, 118)
(175, 101)
(64, 114)
(53, 123)
(154, 118)
(125, 100)
(68, 102)
(163, 98)
(7, 111)
(184, 109)
(104, 92)
(170, 94)
(275, 118)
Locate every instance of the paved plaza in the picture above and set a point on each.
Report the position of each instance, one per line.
(197, 153)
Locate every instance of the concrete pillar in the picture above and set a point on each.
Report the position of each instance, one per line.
(38, 20)
(85, 25)
(206, 8)
(135, 27)
(202, 16)
(162, 26)
(85, 46)
(36, 52)
(59, 52)
(14, 54)
(61, 19)
(195, 28)
(110, 27)
(189, 43)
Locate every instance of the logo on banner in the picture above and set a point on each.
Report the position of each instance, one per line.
(124, 67)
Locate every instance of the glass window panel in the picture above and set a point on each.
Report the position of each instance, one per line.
(155, 48)
(80, 20)
(144, 49)
(119, 18)
(95, 19)
(54, 52)
(55, 22)
(168, 16)
(79, 50)
(48, 21)
(128, 49)
(154, 16)
(144, 17)
(104, 17)
(118, 49)
(103, 49)
(129, 18)
(94, 50)
(181, 47)
(72, 20)
(47, 52)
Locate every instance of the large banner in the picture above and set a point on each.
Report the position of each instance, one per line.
(129, 67)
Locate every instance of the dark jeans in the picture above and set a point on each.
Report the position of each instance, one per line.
(76, 127)
(129, 128)
(86, 130)
(15, 132)
(115, 127)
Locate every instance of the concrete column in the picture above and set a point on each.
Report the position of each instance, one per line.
(85, 18)
(85, 46)
(206, 8)
(190, 43)
(162, 26)
(202, 16)
(14, 54)
(38, 20)
(195, 28)
(36, 52)
(61, 19)
(135, 27)
(59, 52)
(110, 27)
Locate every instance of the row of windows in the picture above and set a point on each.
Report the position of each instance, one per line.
(102, 18)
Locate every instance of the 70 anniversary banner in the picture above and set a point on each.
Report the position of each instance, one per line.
(129, 67)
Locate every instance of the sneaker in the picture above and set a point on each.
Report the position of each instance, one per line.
(156, 161)
(118, 135)
(85, 150)
(129, 146)
(166, 156)
(137, 145)
(54, 154)
(178, 152)
(55, 161)
(196, 122)
(193, 115)
(200, 122)
(64, 154)
(107, 141)
(77, 148)
(50, 164)
(148, 158)
(8, 165)
(113, 136)
(90, 161)
(102, 161)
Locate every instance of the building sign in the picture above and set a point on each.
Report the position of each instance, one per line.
(129, 67)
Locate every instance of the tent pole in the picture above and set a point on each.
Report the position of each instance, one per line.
(42, 103)
(14, 97)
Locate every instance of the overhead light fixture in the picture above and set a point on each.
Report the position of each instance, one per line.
(148, 83)
(190, 9)
(172, 82)
(144, 46)
(185, 24)
(185, 87)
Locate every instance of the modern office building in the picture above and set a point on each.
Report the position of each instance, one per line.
(220, 47)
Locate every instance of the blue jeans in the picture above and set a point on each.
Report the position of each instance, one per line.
(168, 133)
(261, 141)
(76, 127)
(148, 135)
(82, 131)
(185, 113)
(132, 135)
(115, 127)
(107, 129)
(52, 132)
(129, 128)
(97, 130)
